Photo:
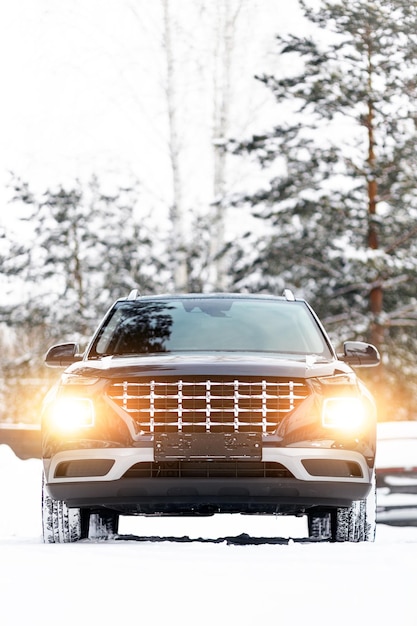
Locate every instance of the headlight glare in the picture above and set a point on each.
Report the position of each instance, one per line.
(343, 413)
(69, 414)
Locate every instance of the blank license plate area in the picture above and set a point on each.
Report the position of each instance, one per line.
(244, 446)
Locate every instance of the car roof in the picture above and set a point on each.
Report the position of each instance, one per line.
(210, 296)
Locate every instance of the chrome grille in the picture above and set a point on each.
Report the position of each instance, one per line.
(196, 405)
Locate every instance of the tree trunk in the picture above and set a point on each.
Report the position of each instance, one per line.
(178, 236)
(376, 292)
(222, 93)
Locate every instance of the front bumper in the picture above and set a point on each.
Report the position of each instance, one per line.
(307, 478)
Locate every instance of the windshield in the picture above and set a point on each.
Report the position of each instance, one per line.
(210, 324)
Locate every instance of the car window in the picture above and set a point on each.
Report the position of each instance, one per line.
(215, 324)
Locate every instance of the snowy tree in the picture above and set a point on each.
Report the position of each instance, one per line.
(341, 202)
(201, 47)
(84, 248)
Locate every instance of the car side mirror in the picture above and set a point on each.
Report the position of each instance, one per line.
(62, 355)
(360, 354)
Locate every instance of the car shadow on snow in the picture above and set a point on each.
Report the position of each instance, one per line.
(239, 540)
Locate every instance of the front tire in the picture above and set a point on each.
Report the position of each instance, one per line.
(103, 524)
(354, 523)
(61, 524)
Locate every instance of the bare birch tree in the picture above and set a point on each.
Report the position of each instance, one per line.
(177, 237)
(227, 13)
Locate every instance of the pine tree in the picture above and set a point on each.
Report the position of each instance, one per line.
(82, 249)
(341, 205)
(85, 248)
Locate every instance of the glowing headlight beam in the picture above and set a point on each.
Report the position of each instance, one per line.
(343, 413)
(70, 414)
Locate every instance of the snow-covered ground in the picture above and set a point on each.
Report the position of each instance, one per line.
(160, 580)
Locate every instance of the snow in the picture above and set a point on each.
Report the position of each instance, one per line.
(203, 580)
(397, 449)
(397, 444)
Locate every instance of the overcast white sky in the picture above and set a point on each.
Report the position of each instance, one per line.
(82, 87)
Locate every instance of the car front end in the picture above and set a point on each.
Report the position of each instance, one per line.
(236, 424)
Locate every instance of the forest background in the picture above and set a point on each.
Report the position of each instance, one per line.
(197, 145)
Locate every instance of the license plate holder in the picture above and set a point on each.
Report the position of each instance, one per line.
(208, 446)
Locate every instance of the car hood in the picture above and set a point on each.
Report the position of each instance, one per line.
(208, 364)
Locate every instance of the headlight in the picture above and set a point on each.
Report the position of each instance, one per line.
(69, 414)
(347, 414)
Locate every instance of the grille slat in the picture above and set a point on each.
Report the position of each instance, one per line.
(211, 405)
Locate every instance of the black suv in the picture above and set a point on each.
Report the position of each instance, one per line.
(209, 403)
